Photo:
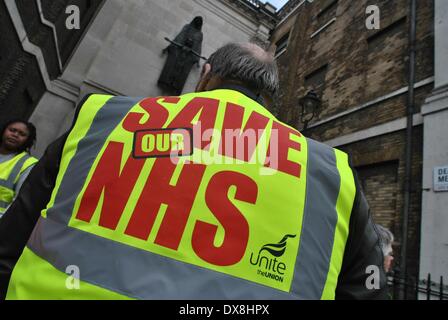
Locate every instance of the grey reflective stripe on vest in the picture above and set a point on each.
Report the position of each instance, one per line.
(106, 120)
(9, 183)
(3, 205)
(134, 272)
(319, 222)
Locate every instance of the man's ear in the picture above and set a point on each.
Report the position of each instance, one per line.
(205, 78)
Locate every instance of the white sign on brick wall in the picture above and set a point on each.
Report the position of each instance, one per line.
(441, 178)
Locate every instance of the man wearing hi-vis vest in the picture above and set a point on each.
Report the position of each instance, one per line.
(202, 196)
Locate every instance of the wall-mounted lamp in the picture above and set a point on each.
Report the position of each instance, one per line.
(310, 105)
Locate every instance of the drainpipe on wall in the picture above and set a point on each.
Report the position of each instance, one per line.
(408, 157)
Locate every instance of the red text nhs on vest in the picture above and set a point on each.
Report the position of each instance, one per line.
(114, 181)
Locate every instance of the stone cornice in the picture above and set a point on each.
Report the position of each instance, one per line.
(256, 10)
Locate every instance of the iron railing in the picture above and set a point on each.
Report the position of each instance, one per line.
(412, 288)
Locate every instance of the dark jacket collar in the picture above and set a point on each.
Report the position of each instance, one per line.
(244, 90)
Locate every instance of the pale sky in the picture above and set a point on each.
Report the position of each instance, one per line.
(277, 3)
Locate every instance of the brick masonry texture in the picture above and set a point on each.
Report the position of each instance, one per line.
(21, 83)
(363, 65)
(380, 165)
(356, 74)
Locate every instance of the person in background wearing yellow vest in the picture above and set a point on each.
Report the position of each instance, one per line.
(17, 138)
(202, 196)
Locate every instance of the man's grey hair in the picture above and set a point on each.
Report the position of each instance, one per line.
(246, 63)
(386, 239)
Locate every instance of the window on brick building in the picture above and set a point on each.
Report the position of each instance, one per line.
(316, 80)
(379, 182)
(378, 40)
(282, 44)
(385, 63)
(327, 13)
(326, 16)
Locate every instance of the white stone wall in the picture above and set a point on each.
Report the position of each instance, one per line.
(434, 235)
(434, 229)
(122, 52)
(441, 44)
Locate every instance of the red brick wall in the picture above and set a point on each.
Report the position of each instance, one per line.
(380, 163)
(364, 65)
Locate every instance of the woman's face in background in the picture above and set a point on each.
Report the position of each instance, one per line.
(15, 136)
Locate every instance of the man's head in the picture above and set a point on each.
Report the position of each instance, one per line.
(198, 22)
(246, 64)
(17, 136)
(386, 238)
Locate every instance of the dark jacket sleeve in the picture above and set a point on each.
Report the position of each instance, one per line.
(19, 220)
(362, 250)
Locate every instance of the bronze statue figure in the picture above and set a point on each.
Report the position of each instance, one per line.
(183, 53)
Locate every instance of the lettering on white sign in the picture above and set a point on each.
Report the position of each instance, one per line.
(441, 179)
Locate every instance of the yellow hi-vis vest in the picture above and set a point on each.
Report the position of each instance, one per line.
(202, 196)
(10, 172)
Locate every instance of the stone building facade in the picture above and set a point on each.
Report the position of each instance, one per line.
(35, 47)
(117, 50)
(361, 76)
